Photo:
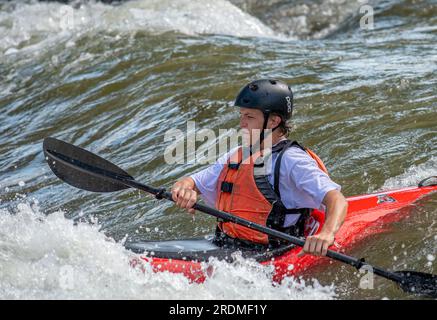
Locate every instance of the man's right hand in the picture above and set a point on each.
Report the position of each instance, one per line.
(184, 195)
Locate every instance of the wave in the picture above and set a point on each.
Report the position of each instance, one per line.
(36, 23)
(413, 175)
(50, 257)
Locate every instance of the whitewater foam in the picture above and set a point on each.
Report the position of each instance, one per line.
(412, 175)
(38, 25)
(49, 257)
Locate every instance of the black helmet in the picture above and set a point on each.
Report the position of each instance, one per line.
(267, 95)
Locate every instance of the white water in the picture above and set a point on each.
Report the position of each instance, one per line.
(47, 257)
(38, 24)
(413, 175)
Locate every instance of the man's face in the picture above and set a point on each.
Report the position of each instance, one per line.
(251, 124)
(251, 119)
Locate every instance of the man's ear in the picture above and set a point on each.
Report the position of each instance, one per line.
(275, 120)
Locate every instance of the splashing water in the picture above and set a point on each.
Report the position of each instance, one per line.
(48, 257)
(412, 175)
(46, 23)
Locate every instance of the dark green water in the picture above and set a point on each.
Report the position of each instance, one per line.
(118, 78)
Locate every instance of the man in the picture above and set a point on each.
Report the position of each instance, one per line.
(280, 199)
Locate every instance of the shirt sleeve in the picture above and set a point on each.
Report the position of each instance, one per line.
(206, 179)
(309, 178)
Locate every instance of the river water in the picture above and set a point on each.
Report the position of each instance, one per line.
(114, 78)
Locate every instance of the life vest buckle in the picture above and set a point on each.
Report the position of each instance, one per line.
(226, 187)
(234, 165)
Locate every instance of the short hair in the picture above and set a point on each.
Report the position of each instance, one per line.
(284, 127)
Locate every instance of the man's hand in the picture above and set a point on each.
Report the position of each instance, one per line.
(184, 194)
(318, 244)
(336, 209)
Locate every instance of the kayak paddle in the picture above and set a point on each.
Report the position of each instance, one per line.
(85, 170)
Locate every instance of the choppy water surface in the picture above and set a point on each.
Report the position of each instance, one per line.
(114, 78)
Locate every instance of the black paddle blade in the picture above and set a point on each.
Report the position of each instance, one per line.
(419, 283)
(81, 168)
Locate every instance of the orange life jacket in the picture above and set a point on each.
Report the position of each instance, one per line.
(251, 197)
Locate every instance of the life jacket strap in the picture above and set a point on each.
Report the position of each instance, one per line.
(276, 220)
(277, 169)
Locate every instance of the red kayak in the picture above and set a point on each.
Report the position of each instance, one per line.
(186, 256)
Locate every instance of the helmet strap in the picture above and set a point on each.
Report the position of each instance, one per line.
(276, 127)
(266, 120)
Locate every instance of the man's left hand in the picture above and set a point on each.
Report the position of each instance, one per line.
(318, 244)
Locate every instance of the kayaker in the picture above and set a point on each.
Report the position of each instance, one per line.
(282, 198)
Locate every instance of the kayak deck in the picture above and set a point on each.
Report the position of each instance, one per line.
(186, 256)
(200, 250)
